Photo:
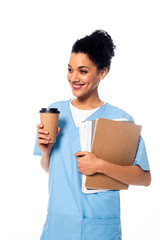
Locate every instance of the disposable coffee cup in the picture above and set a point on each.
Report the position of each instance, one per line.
(49, 118)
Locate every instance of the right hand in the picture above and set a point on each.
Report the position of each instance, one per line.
(43, 139)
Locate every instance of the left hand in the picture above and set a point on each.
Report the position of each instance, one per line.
(87, 162)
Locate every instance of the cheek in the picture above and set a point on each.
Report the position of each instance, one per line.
(87, 79)
(92, 82)
(68, 76)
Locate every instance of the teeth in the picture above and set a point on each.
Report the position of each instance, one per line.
(77, 85)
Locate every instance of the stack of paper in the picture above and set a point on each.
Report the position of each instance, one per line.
(115, 141)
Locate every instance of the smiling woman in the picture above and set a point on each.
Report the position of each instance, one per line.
(84, 78)
(73, 214)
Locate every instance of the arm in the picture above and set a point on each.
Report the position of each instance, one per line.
(89, 164)
(132, 175)
(45, 161)
(45, 146)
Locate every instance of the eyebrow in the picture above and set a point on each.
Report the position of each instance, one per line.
(79, 67)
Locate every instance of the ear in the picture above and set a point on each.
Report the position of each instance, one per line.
(103, 73)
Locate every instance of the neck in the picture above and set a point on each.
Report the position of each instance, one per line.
(87, 103)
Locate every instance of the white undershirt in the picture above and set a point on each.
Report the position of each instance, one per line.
(80, 115)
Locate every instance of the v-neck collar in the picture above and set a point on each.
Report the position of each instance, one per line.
(93, 116)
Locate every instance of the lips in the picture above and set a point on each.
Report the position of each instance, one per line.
(76, 86)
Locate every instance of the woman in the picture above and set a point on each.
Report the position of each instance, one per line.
(72, 214)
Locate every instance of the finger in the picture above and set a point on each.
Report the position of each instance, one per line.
(40, 125)
(45, 137)
(78, 158)
(58, 130)
(42, 141)
(43, 131)
(80, 153)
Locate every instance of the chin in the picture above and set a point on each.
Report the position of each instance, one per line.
(78, 95)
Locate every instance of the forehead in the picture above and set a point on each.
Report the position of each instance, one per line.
(80, 59)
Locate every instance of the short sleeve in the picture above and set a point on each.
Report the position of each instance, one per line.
(37, 150)
(141, 156)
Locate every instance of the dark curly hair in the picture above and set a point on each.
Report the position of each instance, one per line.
(98, 46)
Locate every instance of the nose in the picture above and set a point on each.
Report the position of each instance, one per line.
(74, 77)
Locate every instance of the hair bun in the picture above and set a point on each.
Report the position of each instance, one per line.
(102, 35)
(98, 46)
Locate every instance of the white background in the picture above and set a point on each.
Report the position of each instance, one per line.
(35, 42)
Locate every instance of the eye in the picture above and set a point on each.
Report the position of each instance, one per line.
(83, 71)
(69, 70)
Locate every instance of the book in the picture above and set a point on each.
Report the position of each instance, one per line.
(115, 141)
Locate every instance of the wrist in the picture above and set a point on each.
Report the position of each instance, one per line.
(100, 165)
(46, 154)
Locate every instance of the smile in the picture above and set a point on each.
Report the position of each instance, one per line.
(77, 86)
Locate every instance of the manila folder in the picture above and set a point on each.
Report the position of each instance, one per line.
(115, 142)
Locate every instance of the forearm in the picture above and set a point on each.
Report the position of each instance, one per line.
(45, 146)
(132, 175)
(45, 161)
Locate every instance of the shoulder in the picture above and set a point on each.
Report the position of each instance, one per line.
(60, 104)
(115, 112)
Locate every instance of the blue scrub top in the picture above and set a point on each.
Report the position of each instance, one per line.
(72, 214)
